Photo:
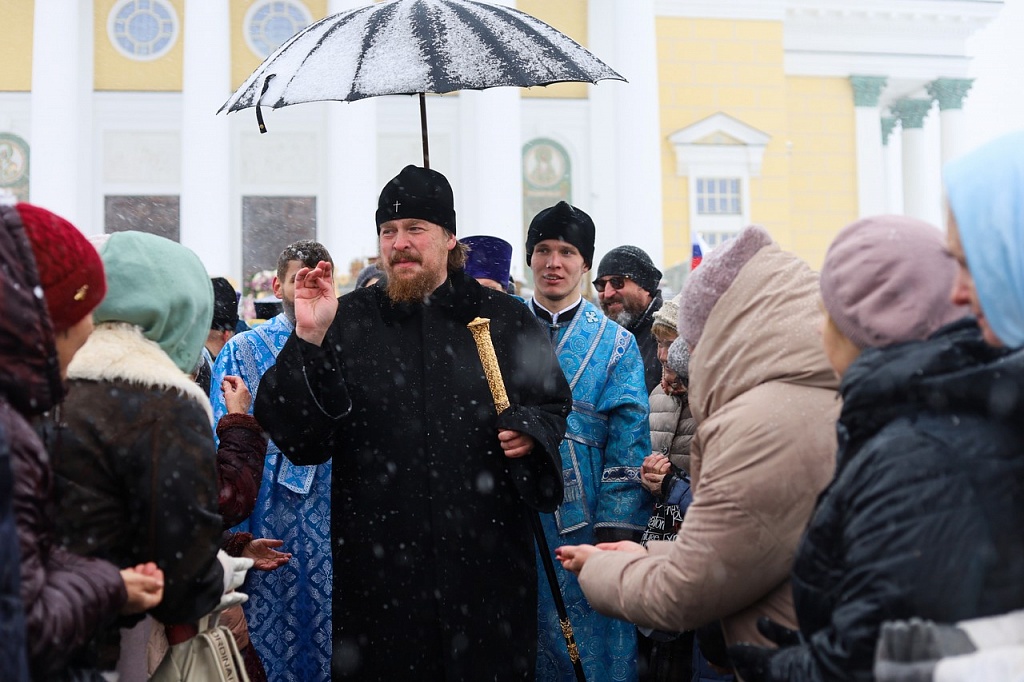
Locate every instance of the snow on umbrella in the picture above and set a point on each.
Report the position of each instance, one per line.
(406, 47)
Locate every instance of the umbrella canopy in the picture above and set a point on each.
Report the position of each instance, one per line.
(406, 47)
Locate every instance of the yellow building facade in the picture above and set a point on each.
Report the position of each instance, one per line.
(759, 119)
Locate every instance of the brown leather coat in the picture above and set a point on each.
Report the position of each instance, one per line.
(136, 468)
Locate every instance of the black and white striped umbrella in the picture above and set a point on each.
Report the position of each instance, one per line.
(406, 47)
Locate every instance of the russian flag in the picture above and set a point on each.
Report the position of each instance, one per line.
(699, 247)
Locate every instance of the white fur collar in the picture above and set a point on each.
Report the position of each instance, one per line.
(119, 351)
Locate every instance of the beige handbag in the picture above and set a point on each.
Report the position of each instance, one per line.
(210, 656)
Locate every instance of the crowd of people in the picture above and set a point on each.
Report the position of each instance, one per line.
(777, 474)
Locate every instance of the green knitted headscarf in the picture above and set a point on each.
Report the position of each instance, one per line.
(162, 287)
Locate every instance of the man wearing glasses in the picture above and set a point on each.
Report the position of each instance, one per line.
(605, 443)
(627, 289)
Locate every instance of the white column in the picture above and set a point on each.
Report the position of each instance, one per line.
(61, 119)
(206, 199)
(490, 200)
(350, 203)
(870, 179)
(893, 192)
(917, 192)
(950, 94)
(626, 129)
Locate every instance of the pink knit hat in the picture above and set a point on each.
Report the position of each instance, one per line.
(713, 277)
(888, 279)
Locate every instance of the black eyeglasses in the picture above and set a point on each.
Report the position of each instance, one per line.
(616, 282)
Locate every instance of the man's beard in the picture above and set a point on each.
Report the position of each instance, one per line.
(409, 288)
(624, 318)
(629, 314)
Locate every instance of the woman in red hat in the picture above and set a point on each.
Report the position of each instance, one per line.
(51, 279)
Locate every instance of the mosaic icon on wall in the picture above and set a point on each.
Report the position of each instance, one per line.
(547, 179)
(14, 166)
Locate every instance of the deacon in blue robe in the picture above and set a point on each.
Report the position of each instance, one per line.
(606, 440)
(289, 608)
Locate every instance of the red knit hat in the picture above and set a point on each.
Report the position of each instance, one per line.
(70, 269)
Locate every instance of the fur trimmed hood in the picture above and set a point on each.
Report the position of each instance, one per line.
(119, 351)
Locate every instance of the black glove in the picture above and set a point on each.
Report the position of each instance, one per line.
(778, 633)
(751, 662)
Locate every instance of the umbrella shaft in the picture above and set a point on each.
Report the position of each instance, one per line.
(423, 128)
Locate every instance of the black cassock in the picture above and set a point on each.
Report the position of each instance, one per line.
(434, 565)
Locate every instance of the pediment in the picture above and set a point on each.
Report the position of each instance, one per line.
(720, 129)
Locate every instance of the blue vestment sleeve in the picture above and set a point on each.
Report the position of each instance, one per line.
(302, 399)
(226, 364)
(623, 504)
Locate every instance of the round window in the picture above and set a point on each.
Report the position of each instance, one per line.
(271, 22)
(142, 29)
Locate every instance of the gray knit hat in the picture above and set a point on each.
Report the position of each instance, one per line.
(888, 279)
(679, 358)
(713, 277)
(668, 314)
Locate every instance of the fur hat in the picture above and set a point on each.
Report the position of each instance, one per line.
(225, 305)
(564, 222)
(679, 358)
(161, 287)
(713, 277)
(70, 271)
(668, 315)
(888, 279)
(420, 193)
(489, 258)
(632, 262)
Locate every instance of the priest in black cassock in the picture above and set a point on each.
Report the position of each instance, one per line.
(434, 565)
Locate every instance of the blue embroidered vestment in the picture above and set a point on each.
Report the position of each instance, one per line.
(607, 438)
(289, 609)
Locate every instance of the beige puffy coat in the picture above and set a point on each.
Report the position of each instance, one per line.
(765, 402)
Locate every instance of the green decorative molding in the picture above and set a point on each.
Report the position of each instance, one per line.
(911, 112)
(888, 123)
(867, 90)
(949, 92)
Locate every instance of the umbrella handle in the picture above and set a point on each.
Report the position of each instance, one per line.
(423, 128)
(259, 114)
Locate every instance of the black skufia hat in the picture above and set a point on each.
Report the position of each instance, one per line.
(417, 193)
(225, 305)
(564, 222)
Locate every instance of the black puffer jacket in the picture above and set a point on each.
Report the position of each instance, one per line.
(66, 597)
(925, 512)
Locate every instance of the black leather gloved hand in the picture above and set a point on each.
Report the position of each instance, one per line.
(777, 632)
(752, 662)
